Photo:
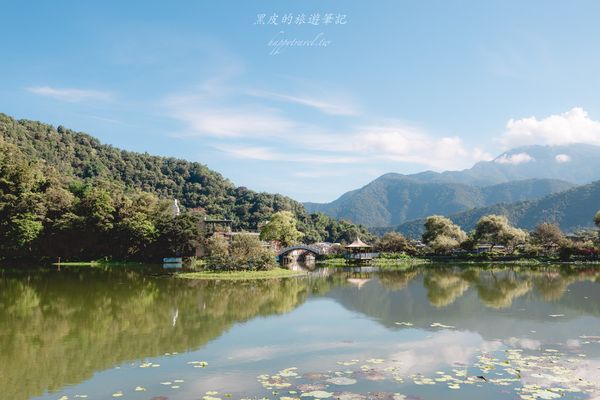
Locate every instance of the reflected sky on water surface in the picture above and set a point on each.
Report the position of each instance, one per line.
(464, 333)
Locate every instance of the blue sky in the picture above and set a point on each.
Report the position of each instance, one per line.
(399, 87)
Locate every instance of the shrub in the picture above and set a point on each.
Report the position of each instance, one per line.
(242, 252)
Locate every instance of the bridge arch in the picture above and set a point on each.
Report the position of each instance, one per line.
(297, 251)
(315, 250)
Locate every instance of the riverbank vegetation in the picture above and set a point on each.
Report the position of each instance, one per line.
(494, 238)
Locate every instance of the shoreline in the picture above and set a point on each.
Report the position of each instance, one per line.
(276, 273)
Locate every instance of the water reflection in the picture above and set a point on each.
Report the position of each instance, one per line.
(59, 328)
(444, 287)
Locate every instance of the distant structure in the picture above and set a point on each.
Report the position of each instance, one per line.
(175, 208)
(358, 252)
(216, 226)
(211, 227)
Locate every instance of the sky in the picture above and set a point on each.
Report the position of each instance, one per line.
(308, 98)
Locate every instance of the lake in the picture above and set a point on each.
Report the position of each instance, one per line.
(424, 333)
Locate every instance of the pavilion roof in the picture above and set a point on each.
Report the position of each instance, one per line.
(357, 244)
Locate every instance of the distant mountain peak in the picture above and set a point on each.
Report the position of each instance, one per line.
(522, 173)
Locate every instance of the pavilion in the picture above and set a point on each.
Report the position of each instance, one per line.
(359, 252)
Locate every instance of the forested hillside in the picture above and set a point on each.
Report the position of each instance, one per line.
(393, 198)
(571, 210)
(63, 188)
(78, 155)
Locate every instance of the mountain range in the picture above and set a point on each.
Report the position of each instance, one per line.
(393, 199)
(571, 210)
(523, 174)
(577, 163)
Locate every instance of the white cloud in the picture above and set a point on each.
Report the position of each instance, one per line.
(562, 158)
(217, 108)
(400, 142)
(523, 343)
(218, 111)
(320, 173)
(573, 126)
(407, 145)
(441, 348)
(514, 159)
(269, 154)
(209, 111)
(232, 122)
(71, 94)
(327, 105)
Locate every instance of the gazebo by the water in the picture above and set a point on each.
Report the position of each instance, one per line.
(359, 252)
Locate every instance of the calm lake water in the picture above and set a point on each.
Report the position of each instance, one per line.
(425, 333)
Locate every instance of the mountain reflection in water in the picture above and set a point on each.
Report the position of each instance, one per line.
(60, 328)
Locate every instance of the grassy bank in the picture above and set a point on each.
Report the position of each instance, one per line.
(96, 263)
(381, 262)
(391, 264)
(508, 260)
(240, 275)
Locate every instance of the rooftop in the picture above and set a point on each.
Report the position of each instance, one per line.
(357, 244)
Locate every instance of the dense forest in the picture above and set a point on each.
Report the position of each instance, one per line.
(64, 194)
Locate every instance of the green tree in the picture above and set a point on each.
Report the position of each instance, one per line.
(496, 230)
(281, 228)
(597, 222)
(137, 232)
(547, 233)
(395, 242)
(24, 229)
(242, 252)
(179, 235)
(96, 204)
(21, 202)
(548, 236)
(217, 249)
(247, 252)
(442, 235)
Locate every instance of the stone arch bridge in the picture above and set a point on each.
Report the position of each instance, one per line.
(298, 253)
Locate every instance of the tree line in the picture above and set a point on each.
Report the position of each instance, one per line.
(78, 156)
(443, 237)
(48, 211)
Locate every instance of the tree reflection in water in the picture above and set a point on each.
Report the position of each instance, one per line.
(59, 328)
